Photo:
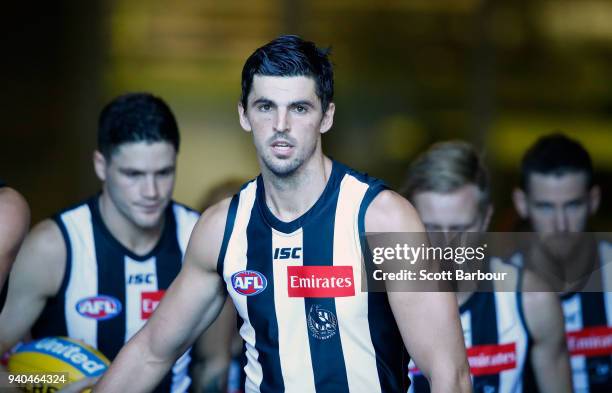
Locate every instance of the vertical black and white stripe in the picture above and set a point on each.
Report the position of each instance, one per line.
(491, 319)
(583, 310)
(364, 353)
(99, 265)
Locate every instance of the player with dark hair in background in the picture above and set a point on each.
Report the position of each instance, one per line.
(557, 195)
(96, 270)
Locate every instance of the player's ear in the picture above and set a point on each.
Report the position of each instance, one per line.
(594, 199)
(328, 118)
(99, 165)
(520, 202)
(244, 121)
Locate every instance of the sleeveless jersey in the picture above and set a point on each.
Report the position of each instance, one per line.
(588, 323)
(108, 292)
(306, 324)
(497, 342)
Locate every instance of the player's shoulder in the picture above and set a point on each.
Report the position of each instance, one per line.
(46, 237)
(41, 261)
(207, 236)
(13, 203)
(532, 282)
(10, 195)
(215, 218)
(391, 212)
(15, 215)
(42, 256)
(537, 295)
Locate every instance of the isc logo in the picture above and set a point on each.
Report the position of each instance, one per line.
(141, 278)
(287, 252)
(249, 282)
(99, 307)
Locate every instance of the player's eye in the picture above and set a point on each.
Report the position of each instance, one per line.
(300, 109)
(544, 207)
(575, 204)
(265, 107)
(132, 174)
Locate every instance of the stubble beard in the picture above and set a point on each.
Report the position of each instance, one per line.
(286, 168)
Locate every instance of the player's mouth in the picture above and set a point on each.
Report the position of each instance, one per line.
(282, 148)
(149, 208)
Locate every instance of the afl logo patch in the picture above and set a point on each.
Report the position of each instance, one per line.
(249, 282)
(322, 323)
(99, 307)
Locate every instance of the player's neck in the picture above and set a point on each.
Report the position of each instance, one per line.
(566, 273)
(290, 197)
(138, 240)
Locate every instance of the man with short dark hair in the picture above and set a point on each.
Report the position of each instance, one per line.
(298, 224)
(557, 196)
(557, 192)
(449, 186)
(95, 271)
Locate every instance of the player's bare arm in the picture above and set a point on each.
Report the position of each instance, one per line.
(190, 305)
(428, 321)
(215, 346)
(14, 223)
(549, 355)
(35, 277)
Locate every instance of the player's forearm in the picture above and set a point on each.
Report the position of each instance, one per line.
(7, 339)
(561, 381)
(553, 372)
(15, 325)
(451, 380)
(135, 369)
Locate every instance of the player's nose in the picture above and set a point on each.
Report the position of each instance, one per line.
(281, 123)
(149, 187)
(561, 221)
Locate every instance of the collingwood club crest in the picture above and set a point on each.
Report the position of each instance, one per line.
(322, 323)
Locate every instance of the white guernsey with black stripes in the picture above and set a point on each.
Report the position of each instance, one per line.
(108, 292)
(588, 327)
(497, 342)
(306, 324)
(588, 323)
